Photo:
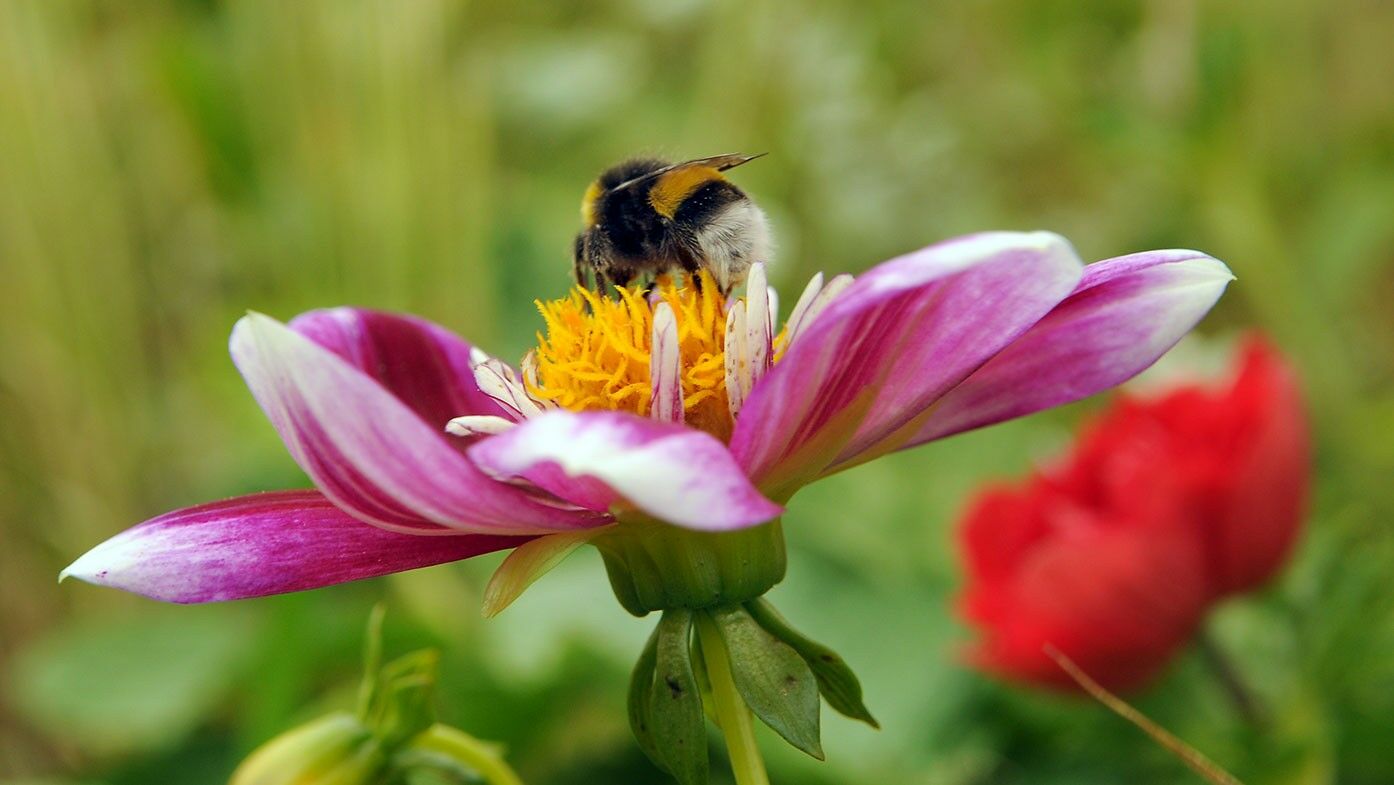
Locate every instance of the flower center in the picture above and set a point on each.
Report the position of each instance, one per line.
(596, 352)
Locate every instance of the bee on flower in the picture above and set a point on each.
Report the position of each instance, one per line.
(666, 424)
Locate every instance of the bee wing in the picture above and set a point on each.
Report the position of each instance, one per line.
(721, 162)
(718, 162)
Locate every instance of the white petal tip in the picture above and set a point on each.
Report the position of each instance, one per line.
(86, 568)
(478, 425)
(1206, 267)
(1043, 238)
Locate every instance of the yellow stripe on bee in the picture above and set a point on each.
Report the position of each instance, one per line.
(592, 195)
(675, 186)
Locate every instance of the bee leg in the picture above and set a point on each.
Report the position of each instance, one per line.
(579, 265)
(690, 265)
(603, 282)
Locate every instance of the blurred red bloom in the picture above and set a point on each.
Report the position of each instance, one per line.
(1165, 505)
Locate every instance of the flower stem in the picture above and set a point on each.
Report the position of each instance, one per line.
(736, 726)
(1230, 679)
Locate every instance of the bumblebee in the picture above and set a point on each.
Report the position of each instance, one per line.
(646, 217)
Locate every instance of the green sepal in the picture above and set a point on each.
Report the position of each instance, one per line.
(443, 755)
(836, 681)
(640, 690)
(403, 707)
(774, 680)
(654, 566)
(676, 719)
(413, 767)
(704, 681)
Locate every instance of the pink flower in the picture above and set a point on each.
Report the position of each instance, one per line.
(687, 411)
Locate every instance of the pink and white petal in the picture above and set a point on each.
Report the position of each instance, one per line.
(426, 366)
(478, 425)
(665, 367)
(759, 327)
(266, 543)
(501, 383)
(609, 460)
(371, 454)
(805, 301)
(886, 348)
(816, 298)
(737, 380)
(1125, 314)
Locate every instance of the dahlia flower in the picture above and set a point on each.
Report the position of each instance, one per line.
(667, 429)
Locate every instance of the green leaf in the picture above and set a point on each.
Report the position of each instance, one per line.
(114, 686)
(640, 688)
(836, 681)
(675, 701)
(774, 680)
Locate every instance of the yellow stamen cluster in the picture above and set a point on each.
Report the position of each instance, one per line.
(595, 352)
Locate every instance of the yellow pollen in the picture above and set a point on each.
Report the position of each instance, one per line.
(595, 352)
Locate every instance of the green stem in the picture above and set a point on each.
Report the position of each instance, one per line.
(736, 726)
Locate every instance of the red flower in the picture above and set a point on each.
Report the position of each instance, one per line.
(1165, 506)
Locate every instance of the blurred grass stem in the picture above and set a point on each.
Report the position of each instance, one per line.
(747, 766)
(1231, 680)
(1192, 757)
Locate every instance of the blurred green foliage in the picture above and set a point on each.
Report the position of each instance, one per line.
(166, 165)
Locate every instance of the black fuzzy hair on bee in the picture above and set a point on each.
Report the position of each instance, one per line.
(646, 217)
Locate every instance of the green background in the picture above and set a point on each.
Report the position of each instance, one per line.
(165, 166)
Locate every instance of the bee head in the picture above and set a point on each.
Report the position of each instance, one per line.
(624, 174)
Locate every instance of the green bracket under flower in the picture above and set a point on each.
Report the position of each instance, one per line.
(733, 661)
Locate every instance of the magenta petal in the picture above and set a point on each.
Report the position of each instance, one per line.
(607, 459)
(1125, 313)
(425, 365)
(266, 543)
(890, 345)
(371, 454)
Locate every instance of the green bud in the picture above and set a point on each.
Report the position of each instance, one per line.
(456, 756)
(332, 750)
(393, 737)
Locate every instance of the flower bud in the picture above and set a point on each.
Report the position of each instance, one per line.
(333, 750)
(393, 734)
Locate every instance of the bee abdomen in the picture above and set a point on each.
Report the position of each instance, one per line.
(729, 230)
